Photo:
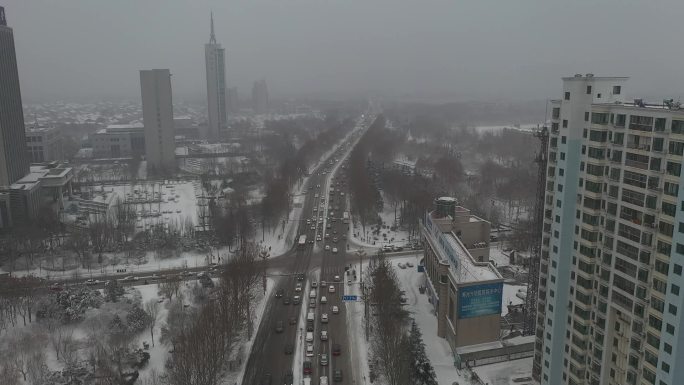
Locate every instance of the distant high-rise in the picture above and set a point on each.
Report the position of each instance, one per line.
(233, 101)
(14, 163)
(260, 97)
(160, 148)
(214, 56)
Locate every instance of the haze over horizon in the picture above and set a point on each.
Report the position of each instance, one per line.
(393, 49)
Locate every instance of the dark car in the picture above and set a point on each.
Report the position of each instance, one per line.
(292, 321)
(280, 327)
(309, 326)
(300, 277)
(288, 378)
(337, 375)
(286, 300)
(280, 293)
(267, 379)
(336, 349)
(307, 367)
(289, 349)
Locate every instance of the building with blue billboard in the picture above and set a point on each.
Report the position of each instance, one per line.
(464, 287)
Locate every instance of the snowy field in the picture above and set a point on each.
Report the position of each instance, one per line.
(386, 237)
(517, 372)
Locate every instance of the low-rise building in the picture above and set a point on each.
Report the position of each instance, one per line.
(44, 144)
(464, 287)
(119, 141)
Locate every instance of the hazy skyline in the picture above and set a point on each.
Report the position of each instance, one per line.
(446, 50)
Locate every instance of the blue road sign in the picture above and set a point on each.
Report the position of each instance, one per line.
(350, 298)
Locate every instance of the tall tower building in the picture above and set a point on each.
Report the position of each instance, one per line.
(233, 101)
(160, 147)
(611, 298)
(260, 97)
(214, 56)
(14, 163)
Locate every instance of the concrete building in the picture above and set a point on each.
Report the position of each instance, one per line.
(119, 141)
(464, 287)
(233, 101)
(610, 310)
(260, 97)
(214, 57)
(14, 162)
(160, 148)
(44, 144)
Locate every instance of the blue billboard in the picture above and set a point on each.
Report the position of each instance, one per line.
(479, 300)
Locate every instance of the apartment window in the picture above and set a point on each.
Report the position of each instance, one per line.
(668, 348)
(673, 168)
(564, 139)
(620, 120)
(669, 209)
(588, 90)
(561, 172)
(658, 144)
(677, 126)
(617, 90)
(671, 189)
(676, 148)
(562, 156)
(677, 269)
(567, 96)
(599, 118)
(660, 124)
(674, 289)
(586, 116)
(670, 329)
(555, 113)
(565, 123)
(672, 309)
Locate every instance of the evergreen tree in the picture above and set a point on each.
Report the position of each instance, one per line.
(421, 369)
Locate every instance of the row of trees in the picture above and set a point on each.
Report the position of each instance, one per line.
(204, 338)
(396, 346)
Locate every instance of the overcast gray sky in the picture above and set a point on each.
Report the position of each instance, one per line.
(457, 50)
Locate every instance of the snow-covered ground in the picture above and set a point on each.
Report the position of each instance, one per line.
(506, 373)
(510, 296)
(498, 257)
(387, 236)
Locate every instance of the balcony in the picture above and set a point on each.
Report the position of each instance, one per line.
(637, 146)
(636, 164)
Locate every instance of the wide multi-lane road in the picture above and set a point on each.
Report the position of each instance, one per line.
(279, 352)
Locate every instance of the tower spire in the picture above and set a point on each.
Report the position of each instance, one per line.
(212, 37)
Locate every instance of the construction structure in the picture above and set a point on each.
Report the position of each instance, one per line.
(530, 309)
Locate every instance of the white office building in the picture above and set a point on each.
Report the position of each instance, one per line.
(610, 310)
(214, 56)
(157, 106)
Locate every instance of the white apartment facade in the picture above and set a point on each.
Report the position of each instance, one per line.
(44, 144)
(609, 307)
(160, 147)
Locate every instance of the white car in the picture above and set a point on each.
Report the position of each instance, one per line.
(318, 238)
(323, 380)
(309, 350)
(324, 318)
(334, 250)
(324, 300)
(324, 335)
(335, 310)
(337, 278)
(298, 287)
(309, 337)
(331, 289)
(327, 247)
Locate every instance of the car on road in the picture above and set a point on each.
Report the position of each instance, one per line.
(288, 378)
(280, 327)
(335, 240)
(292, 321)
(130, 278)
(312, 302)
(324, 318)
(314, 284)
(289, 349)
(318, 238)
(307, 367)
(57, 287)
(324, 299)
(409, 264)
(324, 335)
(331, 289)
(334, 250)
(286, 300)
(92, 282)
(335, 310)
(323, 380)
(336, 278)
(313, 228)
(267, 379)
(336, 349)
(309, 337)
(401, 265)
(298, 287)
(296, 300)
(337, 375)
(327, 247)
(323, 359)
(280, 293)
(309, 350)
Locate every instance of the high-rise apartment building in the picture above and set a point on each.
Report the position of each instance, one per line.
(260, 97)
(14, 163)
(160, 147)
(611, 298)
(44, 144)
(214, 56)
(233, 101)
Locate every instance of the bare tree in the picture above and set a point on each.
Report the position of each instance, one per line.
(170, 287)
(152, 310)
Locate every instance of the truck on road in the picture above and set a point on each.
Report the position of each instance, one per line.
(302, 241)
